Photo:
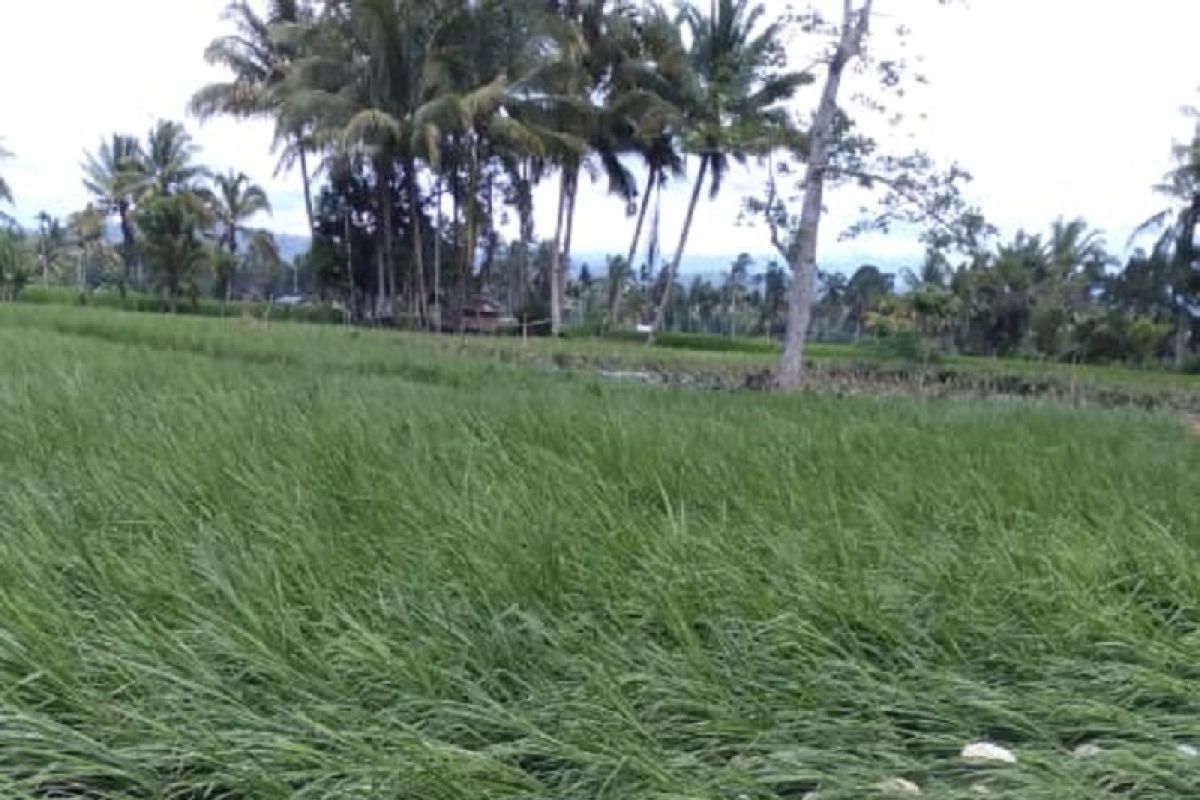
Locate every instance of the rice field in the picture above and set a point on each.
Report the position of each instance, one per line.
(301, 562)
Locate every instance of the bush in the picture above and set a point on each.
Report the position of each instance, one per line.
(204, 307)
(902, 346)
(1115, 338)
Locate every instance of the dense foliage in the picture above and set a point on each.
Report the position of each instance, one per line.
(283, 562)
(431, 124)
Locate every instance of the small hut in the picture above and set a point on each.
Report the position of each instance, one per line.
(480, 314)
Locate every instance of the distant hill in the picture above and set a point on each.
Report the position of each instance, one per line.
(290, 244)
(706, 266)
(713, 267)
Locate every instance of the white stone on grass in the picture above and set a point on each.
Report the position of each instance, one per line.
(1087, 750)
(1187, 751)
(986, 751)
(898, 786)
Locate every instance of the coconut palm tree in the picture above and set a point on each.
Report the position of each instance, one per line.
(490, 59)
(234, 201)
(660, 66)
(51, 244)
(593, 87)
(366, 97)
(14, 265)
(259, 55)
(173, 249)
(1177, 225)
(169, 160)
(115, 177)
(86, 240)
(734, 105)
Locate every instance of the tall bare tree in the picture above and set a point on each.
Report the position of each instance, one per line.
(856, 22)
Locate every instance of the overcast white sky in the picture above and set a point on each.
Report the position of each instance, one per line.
(1059, 107)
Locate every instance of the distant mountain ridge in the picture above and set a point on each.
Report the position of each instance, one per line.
(709, 267)
(290, 244)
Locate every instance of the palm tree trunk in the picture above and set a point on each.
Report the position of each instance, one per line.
(569, 233)
(127, 253)
(307, 181)
(660, 314)
(617, 289)
(380, 281)
(804, 270)
(383, 256)
(556, 259)
(1183, 322)
(471, 222)
(565, 264)
(525, 212)
(437, 255)
(349, 272)
(418, 244)
(389, 253)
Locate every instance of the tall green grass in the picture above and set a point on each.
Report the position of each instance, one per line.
(299, 563)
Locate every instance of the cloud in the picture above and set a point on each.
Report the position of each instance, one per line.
(78, 71)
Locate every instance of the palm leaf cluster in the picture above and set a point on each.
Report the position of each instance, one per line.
(176, 217)
(431, 121)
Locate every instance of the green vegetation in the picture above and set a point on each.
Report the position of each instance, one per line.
(241, 559)
(206, 307)
(421, 129)
(311, 562)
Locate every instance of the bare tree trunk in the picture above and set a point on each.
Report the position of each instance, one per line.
(556, 259)
(660, 314)
(617, 288)
(804, 269)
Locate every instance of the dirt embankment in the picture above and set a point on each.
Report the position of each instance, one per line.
(892, 379)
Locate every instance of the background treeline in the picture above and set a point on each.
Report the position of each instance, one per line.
(422, 130)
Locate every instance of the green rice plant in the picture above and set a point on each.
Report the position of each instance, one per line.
(245, 561)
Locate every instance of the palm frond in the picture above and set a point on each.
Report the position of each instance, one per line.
(1154, 225)
(371, 128)
(512, 135)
